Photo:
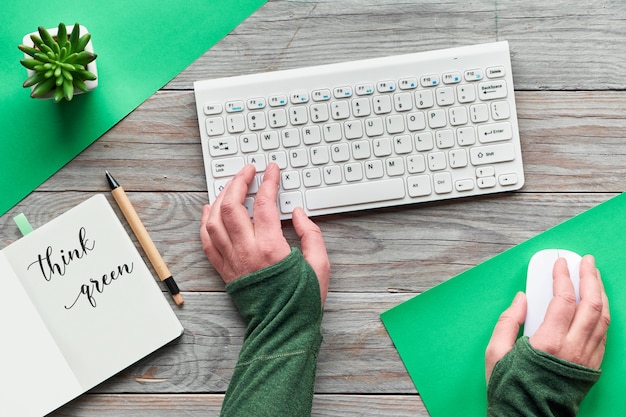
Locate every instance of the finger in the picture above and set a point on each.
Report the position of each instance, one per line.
(233, 213)
(214, 256)
(505, 332)
(597, 340)
(589, 311)
(562, 307)
(313, 248)
(266, 216)
(215, 226)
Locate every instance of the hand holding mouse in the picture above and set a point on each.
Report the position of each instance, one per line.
(570, 331)
(575, 333)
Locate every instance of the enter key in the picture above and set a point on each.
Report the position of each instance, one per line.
(495, 132)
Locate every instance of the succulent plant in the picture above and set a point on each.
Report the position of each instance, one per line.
(59, 63)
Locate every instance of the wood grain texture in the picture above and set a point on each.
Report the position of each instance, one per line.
(568, 66)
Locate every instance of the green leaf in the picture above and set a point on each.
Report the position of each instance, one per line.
(30, 63)
(58, 94)
(67, 74)
(85, 58)
(46, 49)
(71, 58)
(36, 40)
(47, 38)
(62, 35)
(63, 53)
(74, 37)
(34, 79)
(68, 90)
(82, 42)
(41, 57)
(80, 84)
(43, 87)
(28, 50)
(86, 75)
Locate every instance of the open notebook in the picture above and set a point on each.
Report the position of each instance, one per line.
(79, 306)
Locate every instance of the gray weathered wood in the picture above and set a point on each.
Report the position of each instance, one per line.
(568, 66)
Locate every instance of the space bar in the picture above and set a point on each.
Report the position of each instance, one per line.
(354, 194)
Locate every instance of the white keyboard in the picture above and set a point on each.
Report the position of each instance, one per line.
(368, 134)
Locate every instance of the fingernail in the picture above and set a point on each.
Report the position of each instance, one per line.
(590, 259)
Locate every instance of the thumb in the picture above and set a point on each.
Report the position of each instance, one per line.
(313, 248)
(505, 333)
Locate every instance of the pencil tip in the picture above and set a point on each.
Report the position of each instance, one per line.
(112, 183)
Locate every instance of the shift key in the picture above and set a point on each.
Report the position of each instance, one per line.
(492, 154)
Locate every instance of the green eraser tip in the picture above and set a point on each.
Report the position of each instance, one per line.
(22, 223)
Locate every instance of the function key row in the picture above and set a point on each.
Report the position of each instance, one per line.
(386, 86)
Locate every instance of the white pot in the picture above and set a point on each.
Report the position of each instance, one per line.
(91, 67)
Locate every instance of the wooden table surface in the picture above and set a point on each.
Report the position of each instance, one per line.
(568, 62)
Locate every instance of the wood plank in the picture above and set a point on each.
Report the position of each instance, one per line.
(571, 141)
(203, 405)
(559, 45)
(402, 249)
(356, 355)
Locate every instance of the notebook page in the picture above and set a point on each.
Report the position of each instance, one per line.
(99, 300)
(32, 362)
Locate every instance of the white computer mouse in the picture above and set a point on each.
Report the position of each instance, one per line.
(539, 283)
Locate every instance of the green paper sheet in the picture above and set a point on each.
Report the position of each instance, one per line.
(442, 334)
(141, 46)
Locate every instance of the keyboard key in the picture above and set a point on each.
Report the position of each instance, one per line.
(358, 193)
(466, 184)
(227, 167)
(492, 90)
(419, 185)
(289, 201)
(212, 108)
(361, 107)
(256, 103)
(234, 106)
(507, 179)
(496, 72)
(442, 182)
(365, 89)
(500, 110)
(235, 123)
(342, 92)
(278, 100)
(452, 78)
(495, 132)
(492, 154)
(386, 86)
(473, 75)
(429, 80)
(223, 146)
(321, 95)
(408, 83)
(214, 126)
(299, 97)
(277, 118)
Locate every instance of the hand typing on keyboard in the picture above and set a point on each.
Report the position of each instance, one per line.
(236, 246)
(368, 134)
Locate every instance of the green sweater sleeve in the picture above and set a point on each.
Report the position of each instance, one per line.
(275, 372)
(528, 382)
